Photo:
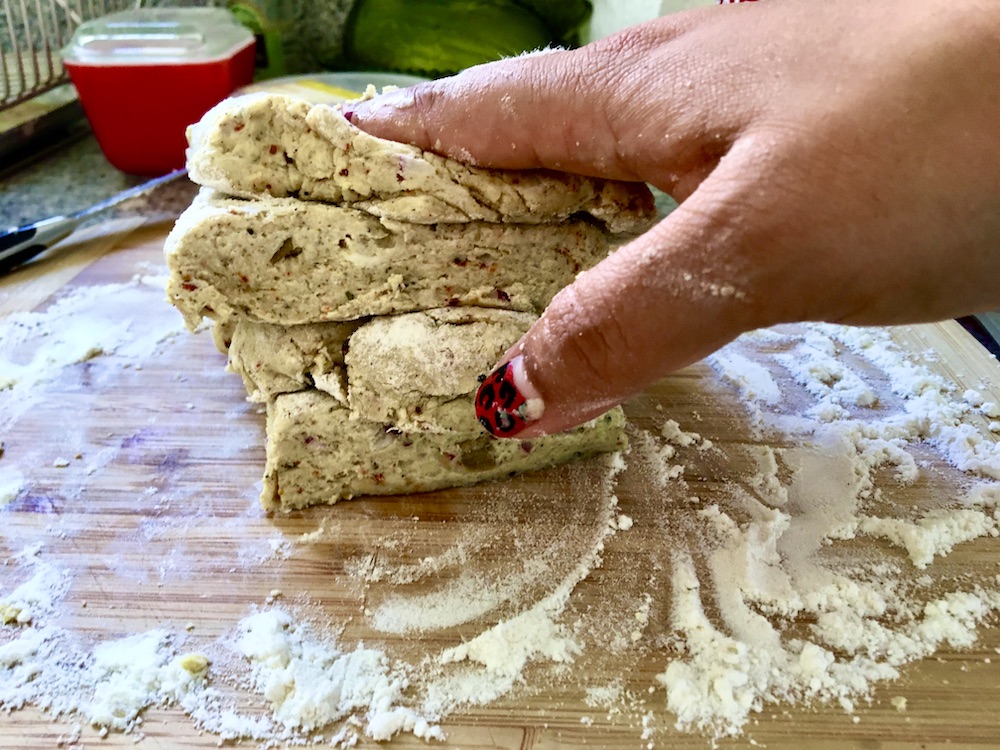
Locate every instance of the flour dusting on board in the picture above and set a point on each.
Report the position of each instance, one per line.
(803, 555)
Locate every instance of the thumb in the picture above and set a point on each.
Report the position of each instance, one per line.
(660, 303)
(517, 113)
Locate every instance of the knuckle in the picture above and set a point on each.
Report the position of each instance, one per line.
(428, 99)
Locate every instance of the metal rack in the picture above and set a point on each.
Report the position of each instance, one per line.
(31, 34)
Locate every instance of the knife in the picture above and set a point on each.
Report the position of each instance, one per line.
(20, 244)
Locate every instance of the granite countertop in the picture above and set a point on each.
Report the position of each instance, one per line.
(76, 175)
(67, 179)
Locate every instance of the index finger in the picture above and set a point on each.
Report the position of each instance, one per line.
(620, 108)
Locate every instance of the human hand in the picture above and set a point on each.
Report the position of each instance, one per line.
(835, 160)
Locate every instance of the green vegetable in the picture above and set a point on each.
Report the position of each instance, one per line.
(564, 17)
(440, 37)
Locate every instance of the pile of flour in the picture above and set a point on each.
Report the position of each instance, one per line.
(768, 558)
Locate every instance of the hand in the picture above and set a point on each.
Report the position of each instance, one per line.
(835, 160)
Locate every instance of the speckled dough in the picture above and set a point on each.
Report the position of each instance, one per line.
(273, 145)
(273, 359)
(287, 261)
(317, 454)
(436, 357)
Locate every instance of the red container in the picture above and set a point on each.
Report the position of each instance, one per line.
(144, 75)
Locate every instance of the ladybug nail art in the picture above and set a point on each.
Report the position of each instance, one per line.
(501, 406)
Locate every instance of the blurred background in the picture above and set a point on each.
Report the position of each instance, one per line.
(428, 38)
(46, 140)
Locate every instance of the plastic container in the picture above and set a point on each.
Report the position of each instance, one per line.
(144, 75)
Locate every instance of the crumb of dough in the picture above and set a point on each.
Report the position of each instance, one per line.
(193, 663)
(11, 615)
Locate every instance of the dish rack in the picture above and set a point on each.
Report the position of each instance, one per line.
(31, 34)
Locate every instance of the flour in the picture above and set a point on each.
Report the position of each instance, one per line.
(109, 684)
(753, 379)
(935, 534)
(468, 598)
(130, 674)
(310, 684)
(505, 649)
(37, 596)
(76, 328)
(770, 564)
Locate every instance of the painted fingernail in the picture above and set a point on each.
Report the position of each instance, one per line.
(349, 115)
(506, 402)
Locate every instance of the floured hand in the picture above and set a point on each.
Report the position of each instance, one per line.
(835, 160)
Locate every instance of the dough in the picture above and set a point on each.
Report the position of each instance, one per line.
(317, 454)
(437, 359)
(260, 145)
(222, 333)
(416, 371)
(361, 288)
(273, 359)
(287, 261)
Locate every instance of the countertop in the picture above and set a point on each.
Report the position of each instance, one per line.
(68, 177)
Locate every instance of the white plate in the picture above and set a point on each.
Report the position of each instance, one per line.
(330, 88)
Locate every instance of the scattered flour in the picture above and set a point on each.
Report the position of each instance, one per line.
(108, 683)
(867, 623)
(310, 684)
(36, 345)
(11, 483)
(536, 633)
(131, 674)
(469, 597)
(753, 380)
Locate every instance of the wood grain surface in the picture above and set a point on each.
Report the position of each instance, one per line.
(159, 523)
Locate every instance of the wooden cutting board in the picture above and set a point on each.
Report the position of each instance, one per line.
(157, 521)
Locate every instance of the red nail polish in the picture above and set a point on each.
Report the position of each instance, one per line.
(348, 115)
(502, 406)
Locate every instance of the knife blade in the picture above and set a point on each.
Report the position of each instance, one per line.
(20, 244)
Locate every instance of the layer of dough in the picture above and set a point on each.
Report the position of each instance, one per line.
(317, 454)
(437, 358)
(288, 261)
(273, 145)
(416, 371)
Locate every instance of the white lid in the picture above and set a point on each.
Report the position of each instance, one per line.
(157, 36)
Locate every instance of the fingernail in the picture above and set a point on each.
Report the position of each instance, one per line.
(506, 402)
(349, 115)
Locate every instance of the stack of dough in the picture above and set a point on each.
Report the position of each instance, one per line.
(363, 287)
